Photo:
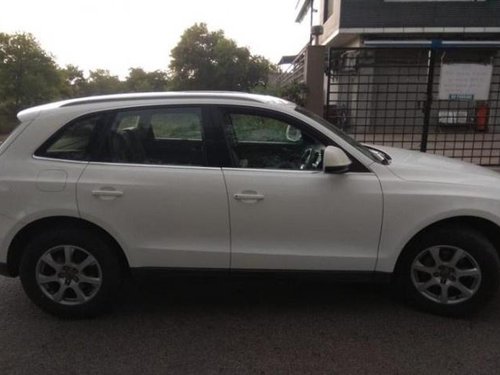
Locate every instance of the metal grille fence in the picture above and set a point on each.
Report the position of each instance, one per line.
(295, 71)
(445, 101)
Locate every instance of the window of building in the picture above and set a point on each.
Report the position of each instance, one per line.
(328, 11)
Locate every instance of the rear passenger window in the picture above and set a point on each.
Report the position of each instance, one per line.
(168, 136)
(177, 124)
(72, 143)
(128, 122)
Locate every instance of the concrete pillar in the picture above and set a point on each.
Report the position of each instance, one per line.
(314, 74)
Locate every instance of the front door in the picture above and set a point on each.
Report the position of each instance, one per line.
(285, 212)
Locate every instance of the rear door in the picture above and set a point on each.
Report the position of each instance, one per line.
(150, 185)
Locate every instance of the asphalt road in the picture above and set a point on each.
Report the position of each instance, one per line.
(207, 326)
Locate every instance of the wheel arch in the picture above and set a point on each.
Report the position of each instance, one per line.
(20, 240)
(484, 226)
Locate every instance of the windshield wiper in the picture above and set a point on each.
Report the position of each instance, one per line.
(381, 155)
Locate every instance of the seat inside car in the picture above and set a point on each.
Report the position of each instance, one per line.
(232, 141)
(127, 145)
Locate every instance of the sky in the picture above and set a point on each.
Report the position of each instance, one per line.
(117, 35)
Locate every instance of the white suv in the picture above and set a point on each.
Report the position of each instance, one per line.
(93, 188)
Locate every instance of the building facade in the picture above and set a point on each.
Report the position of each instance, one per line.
(353, 22)
(418, 74)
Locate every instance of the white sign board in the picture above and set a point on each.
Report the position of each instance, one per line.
(465, 81)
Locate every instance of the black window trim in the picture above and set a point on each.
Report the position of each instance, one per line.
(218, 112)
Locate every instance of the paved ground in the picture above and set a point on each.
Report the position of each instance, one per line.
(212, 326)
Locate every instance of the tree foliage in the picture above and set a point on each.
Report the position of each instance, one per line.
(102, 82)
(28, 75)
(207, 60)
(139, 80)
(74, 83)
(202, 60)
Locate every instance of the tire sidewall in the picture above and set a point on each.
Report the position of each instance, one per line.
(467, 239)
(86, 240)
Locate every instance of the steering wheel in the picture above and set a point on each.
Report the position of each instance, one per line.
(307, 158)
(311, 158)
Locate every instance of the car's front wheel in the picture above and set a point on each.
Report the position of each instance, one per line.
(70, 272)
(452, 270)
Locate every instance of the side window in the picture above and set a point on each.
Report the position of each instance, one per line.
(252, 128)
(127, 121)
(73, 142)
(177, 124)
(267, 141)
(168, 136)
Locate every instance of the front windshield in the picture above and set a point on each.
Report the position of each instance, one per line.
(363, 149)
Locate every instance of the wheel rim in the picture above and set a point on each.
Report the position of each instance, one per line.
(68, 275)
(446, 274)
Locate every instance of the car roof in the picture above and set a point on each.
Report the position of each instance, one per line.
(33, 112)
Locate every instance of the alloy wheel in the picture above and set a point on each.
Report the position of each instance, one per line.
(68, 275)
(446, 274)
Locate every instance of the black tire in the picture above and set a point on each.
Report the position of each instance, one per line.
(447, 239)
(109, 271)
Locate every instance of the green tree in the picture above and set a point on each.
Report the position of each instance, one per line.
(139, 80)
(207, 60)
(101, 82)
(74, 82)
(28, 74)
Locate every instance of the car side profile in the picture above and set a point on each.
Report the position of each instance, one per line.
(93, 188)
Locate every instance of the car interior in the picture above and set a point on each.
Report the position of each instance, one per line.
(264, 143)
(139, 144)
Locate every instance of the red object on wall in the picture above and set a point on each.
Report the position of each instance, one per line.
(482, 116)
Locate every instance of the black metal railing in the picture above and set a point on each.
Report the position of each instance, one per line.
(440, 100)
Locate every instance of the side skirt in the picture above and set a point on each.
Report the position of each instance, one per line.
(340, 276)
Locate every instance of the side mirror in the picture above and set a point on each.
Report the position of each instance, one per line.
(335, 160)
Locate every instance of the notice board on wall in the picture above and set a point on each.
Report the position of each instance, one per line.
(465, 81)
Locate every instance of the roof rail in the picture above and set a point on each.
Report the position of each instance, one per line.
(31, 113)
(158, 96)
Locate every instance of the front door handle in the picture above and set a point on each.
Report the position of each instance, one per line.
(107, 193)
(249, 197)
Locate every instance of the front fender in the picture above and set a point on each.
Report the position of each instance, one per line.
(409, 208)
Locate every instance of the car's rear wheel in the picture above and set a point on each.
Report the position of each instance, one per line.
(452, 270)
(70, 272)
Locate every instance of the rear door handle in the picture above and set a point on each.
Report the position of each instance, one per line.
(107, 193)
(248, 197)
